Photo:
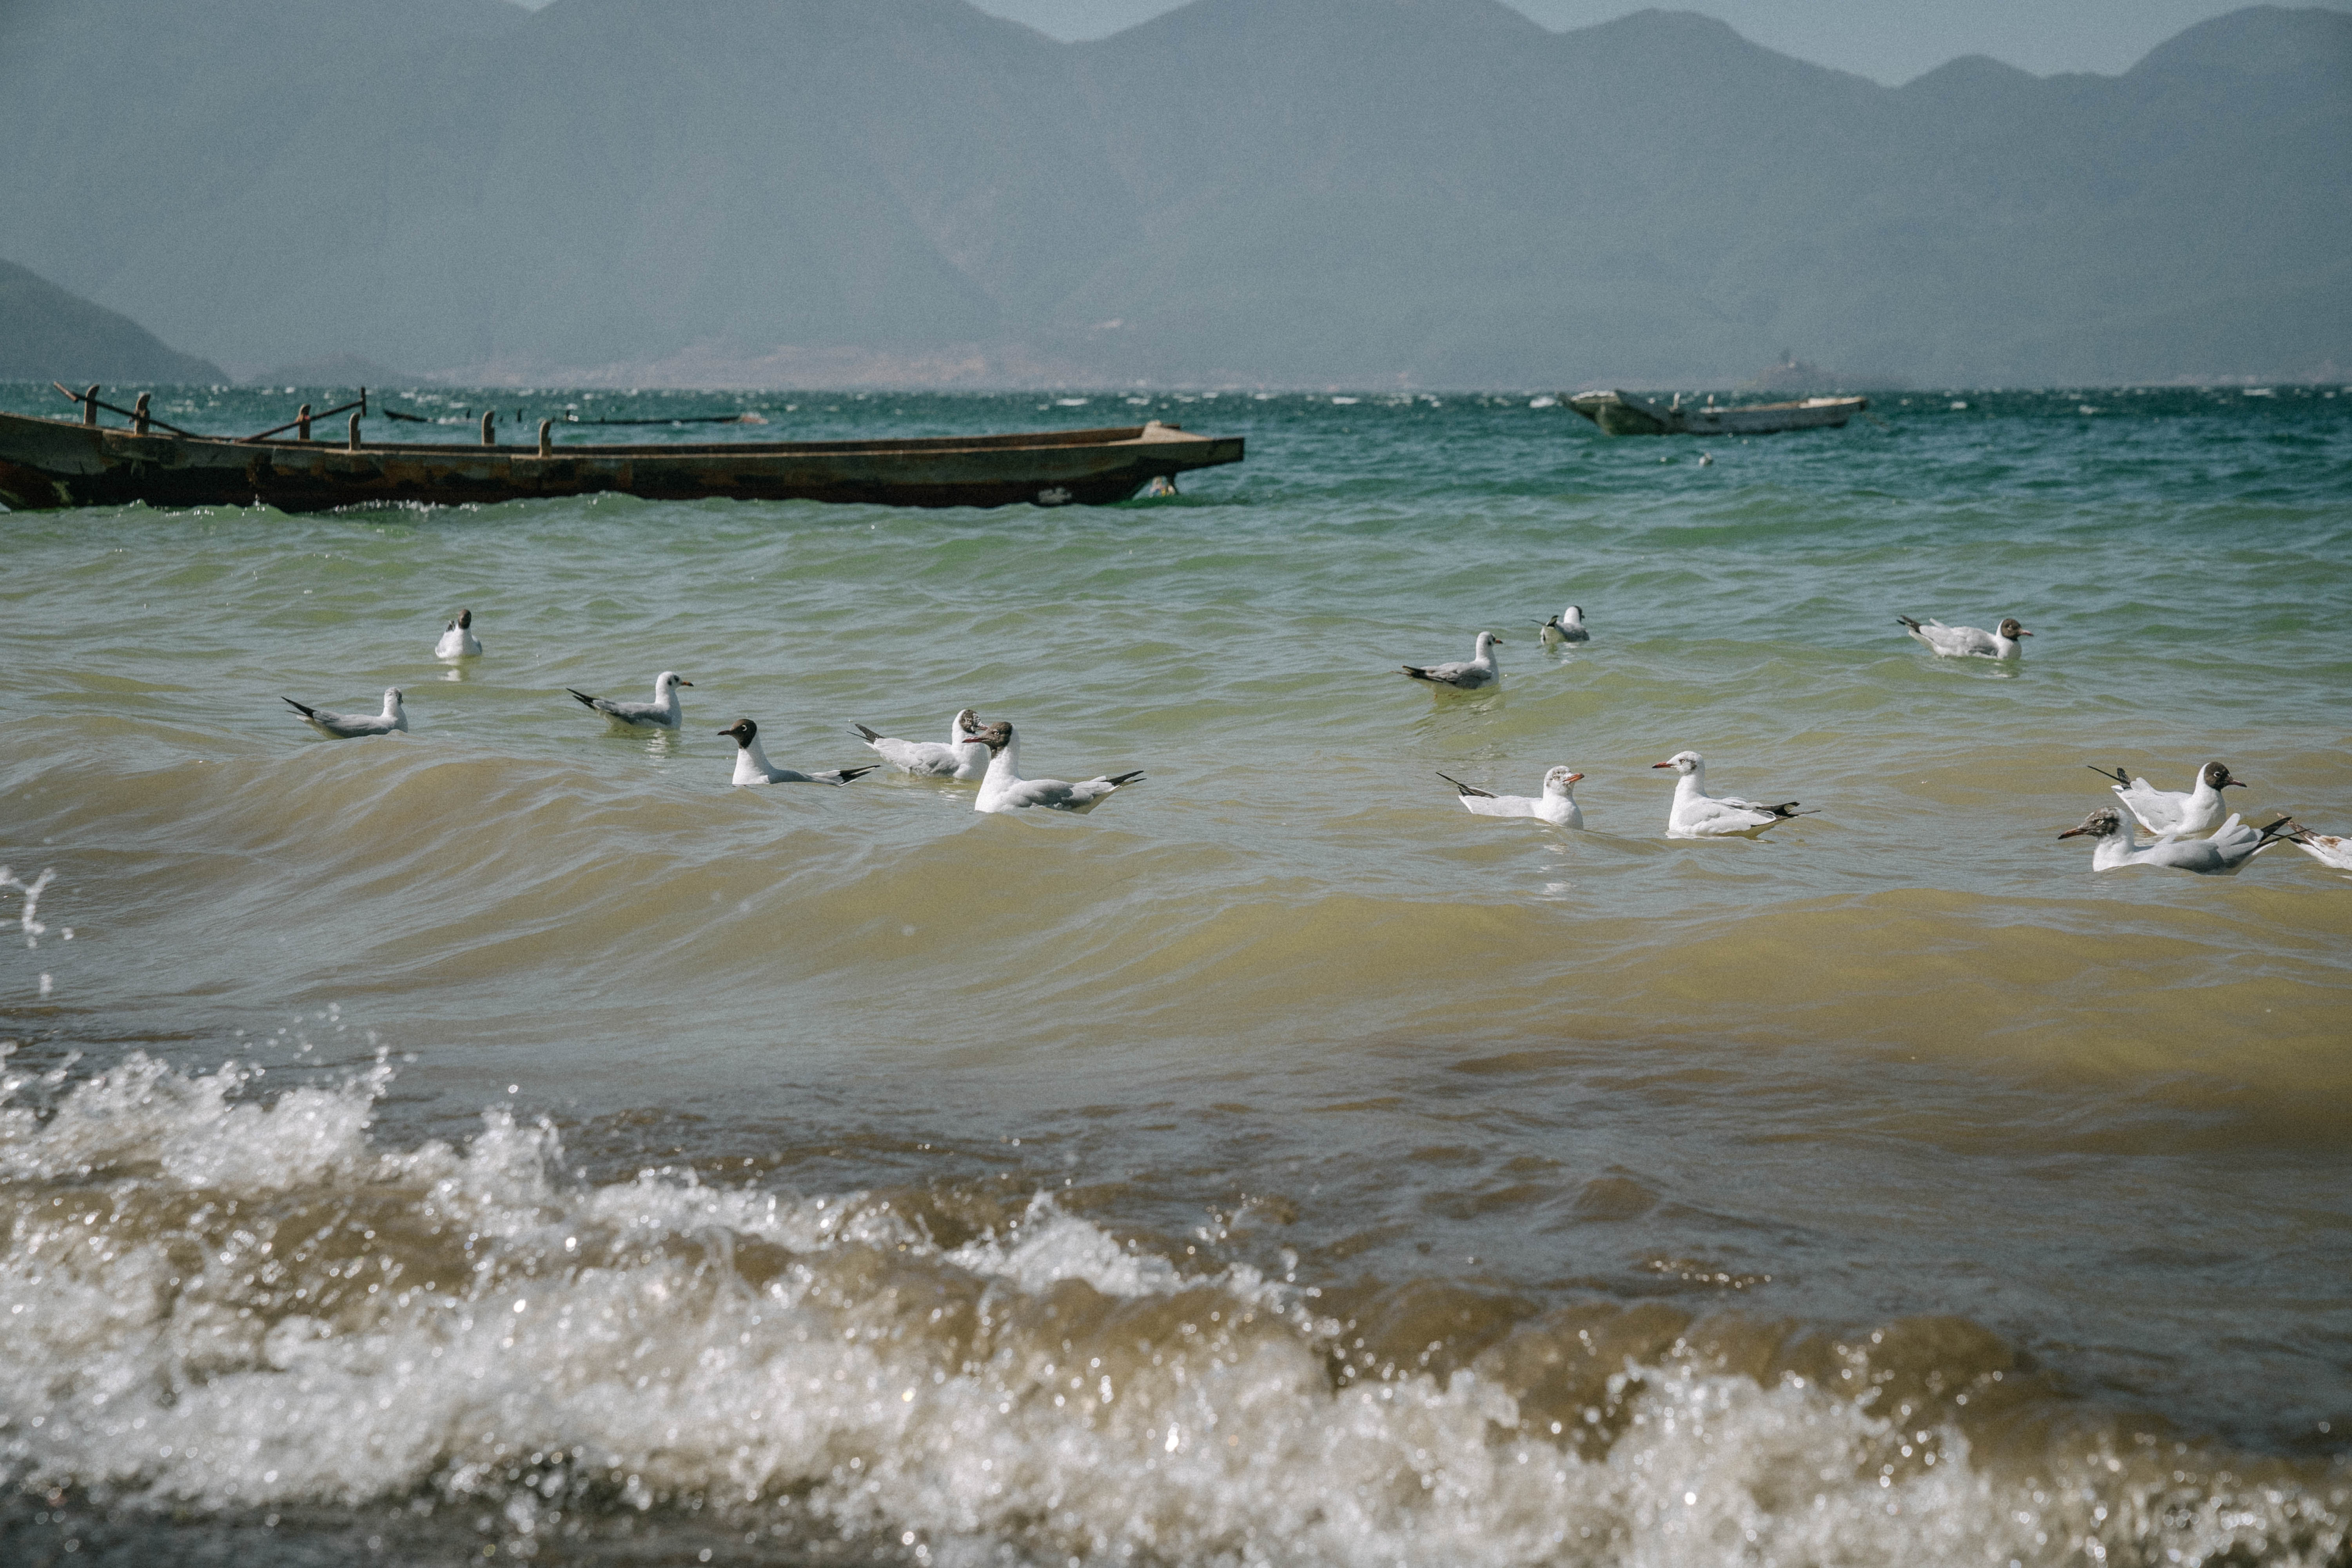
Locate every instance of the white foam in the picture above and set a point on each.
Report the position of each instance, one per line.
(1048, 1388)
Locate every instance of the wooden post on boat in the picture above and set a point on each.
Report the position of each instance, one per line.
(355, 432)
(89, 404)
(139, 415)
(547, 438)
(489, 417)
(302, 423)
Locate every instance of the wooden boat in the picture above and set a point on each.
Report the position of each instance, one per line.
(1631, 413)
(50, 463)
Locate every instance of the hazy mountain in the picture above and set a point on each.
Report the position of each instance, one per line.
(48, 334)
(1288, 190)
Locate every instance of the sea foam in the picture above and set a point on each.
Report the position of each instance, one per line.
(225, 1301)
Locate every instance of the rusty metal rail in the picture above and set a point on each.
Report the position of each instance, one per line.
(304, 418)
(140, 418)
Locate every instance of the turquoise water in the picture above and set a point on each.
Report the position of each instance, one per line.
(1890, 1187)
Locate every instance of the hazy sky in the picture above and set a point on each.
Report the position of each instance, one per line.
(1888, 40)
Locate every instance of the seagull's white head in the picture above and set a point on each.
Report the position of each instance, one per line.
(392, 698)
(2103, 823)
(1682, 762)
(1572, 616)
(1561, 781)
(2010, 629)
(1486, 641)
(743, 731)
(668, 682)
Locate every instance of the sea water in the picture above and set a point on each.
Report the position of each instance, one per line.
(505, 1140)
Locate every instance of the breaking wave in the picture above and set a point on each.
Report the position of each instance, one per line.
(222, 1304)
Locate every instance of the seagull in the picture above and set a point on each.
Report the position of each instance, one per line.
(351, 726)
(753, 767)
(1006, 790)
(1566, 627)
(2232, 844)
(2325, 847)
(1699, 815)
(1963, 642)
(665, 711)
(963, 757)
(458, 640)
(1556, 805)
(1482, 669)
(2169, 811)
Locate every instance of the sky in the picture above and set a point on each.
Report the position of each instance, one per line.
(1890, 41)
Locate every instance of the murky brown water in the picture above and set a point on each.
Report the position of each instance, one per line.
(507, 1140)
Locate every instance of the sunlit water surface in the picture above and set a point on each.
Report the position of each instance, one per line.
(506, 1140)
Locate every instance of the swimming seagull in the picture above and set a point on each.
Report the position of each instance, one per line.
(2231, 846)
(1566, 627)
(1003, 789)
(2325, 847)
(458, 640)
(962, 757)
(665, 712)
(1698, 815)
(2171, 811)
(753, 767)
(351, 726)
(1965, 642)
(1556, 805)
(1482, 670)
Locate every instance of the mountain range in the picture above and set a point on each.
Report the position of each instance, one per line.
(47, 333)
(1239, 192)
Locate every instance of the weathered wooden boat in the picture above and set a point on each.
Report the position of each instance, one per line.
(50, 463)
(1631, 413)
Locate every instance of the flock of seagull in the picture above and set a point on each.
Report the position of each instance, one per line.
(2174, 817)
(990, 754)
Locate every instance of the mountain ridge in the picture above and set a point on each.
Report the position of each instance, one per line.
(49, 334)
(1270, 192)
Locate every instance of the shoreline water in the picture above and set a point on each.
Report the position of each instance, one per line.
(1525, 1108)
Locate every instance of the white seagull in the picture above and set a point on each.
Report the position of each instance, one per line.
(351, 726)
(963, 757)
(2171, 811)
(1699, 815)
(665, 712)
(2328, 849)
(1564, 627)
(458, 641)
(1003, 789)
(1556, 805)
(1482, 670)
(2233, 844)
(753, 767)
(1967, 642)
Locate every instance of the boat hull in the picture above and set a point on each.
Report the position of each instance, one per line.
(49, 463)
(1631, 413)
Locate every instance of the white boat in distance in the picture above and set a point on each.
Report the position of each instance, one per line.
(1631, 413)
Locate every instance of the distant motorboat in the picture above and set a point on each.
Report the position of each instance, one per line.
(1631, 414)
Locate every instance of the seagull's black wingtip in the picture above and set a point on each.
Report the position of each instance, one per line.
(585, 700)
